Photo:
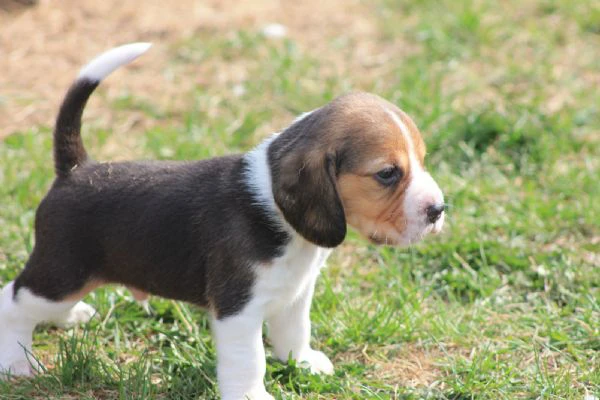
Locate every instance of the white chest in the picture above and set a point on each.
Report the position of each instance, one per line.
(280, 283)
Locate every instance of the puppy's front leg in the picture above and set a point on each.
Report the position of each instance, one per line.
(289, 332)
(241, 360)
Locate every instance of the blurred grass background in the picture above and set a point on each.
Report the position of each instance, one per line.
(504, 304)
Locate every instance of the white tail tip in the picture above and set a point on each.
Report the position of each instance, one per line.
(101, 66)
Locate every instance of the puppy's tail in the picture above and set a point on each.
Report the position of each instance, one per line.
(68, 147)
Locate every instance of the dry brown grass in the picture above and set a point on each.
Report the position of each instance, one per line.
(43, 47)
(406, 365)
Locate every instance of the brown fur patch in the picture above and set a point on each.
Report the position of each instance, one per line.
(373, 142)
(370, 209)
(358, 135)
(87, 288)
(138, 295)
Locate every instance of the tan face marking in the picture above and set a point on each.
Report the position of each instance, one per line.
(337, 159)
(370, 209)
(374, 209)
(380, 136)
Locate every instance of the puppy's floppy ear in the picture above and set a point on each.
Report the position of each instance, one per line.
(304, 172)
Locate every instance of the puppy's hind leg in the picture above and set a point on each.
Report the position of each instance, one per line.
(15, 335)
(80, 313)
(20, 312)
(22, 307)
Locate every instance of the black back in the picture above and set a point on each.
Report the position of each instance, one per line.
(186, 231)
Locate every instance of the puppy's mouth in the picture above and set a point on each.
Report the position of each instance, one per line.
(408, 238)
(386, 240)
(436, 227)
(377, 240)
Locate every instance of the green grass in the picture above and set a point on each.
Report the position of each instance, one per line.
(504, 304)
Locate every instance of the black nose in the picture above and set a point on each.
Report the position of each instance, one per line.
(434, 212)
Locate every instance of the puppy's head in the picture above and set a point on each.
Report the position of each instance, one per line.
(360, 161)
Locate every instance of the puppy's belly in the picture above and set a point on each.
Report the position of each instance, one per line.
(162, 279)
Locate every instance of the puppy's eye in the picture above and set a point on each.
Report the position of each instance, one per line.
(388, 176)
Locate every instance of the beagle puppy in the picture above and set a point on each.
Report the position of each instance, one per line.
(243, 236)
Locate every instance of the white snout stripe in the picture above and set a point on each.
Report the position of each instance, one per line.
(414, 165)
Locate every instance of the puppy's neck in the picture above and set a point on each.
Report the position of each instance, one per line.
(258, 178)
(258, 174)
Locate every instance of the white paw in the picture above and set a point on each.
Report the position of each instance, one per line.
(20, 367)
(79, 314)
(317, 362)
(15, 345)
(259, 394)
(14, 359)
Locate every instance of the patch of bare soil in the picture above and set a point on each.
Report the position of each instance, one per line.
(42, 46)
(408, 365)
